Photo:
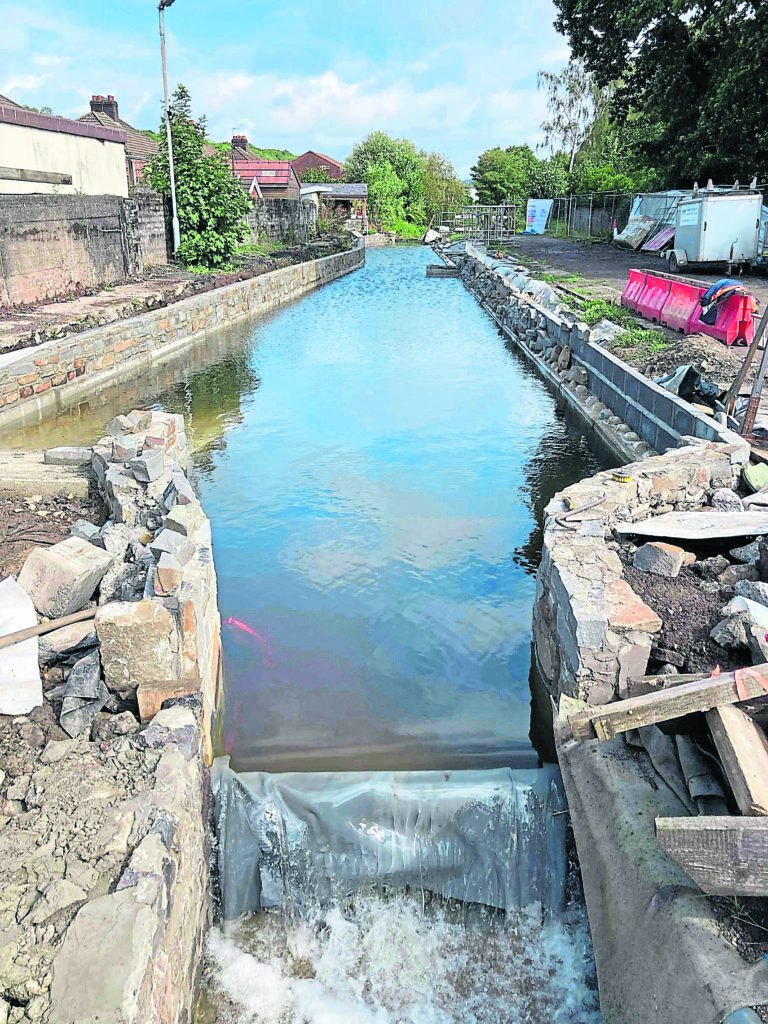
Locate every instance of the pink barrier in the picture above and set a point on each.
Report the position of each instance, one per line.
(633, 289)
(653, 297)
(682, 305)
(676, 303)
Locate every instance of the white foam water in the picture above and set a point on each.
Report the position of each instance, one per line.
(402, 961)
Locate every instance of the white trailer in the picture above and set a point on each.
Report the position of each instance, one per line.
(714, 227)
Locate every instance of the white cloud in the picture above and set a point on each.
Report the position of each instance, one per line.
(48, 60)
(24, 83)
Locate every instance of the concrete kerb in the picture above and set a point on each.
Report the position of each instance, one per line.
(41, 381)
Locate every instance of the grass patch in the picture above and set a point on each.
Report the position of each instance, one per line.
(634, 339)
(264, 247)
(405, 230)
(559, 278)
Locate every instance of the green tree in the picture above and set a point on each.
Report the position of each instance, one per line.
(316, 175)
(212, 205)
(505, 175)
(442, 189)
(692, 81)
(575, 102)
(404, 161)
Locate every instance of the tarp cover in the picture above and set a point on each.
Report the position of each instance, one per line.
(492, 837)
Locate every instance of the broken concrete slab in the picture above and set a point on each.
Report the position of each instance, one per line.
(20, 685)
(25, 473)
(659, 558)
(139, 643)
(62, 579)
(67, 456)
(759, 612)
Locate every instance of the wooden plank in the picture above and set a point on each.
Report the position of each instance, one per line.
(725, 856)
(699, 525)
(652, 684)
(743, 750)
(46, 177)
(605, 721)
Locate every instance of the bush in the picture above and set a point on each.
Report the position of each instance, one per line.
(212, 205)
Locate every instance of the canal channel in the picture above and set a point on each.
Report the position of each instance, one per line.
(375, 460)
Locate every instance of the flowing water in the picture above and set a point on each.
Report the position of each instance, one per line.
(375, 460)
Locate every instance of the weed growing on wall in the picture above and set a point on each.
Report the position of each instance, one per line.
(212, 204)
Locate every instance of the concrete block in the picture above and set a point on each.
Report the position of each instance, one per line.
(149, 466)
(62, 579)
(185, 519)
(139, 643)
(174, 543)
(87, 531)
(119, 426)
(660, 559)
(67, 456)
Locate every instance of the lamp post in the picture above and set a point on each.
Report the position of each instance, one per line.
(175, 221)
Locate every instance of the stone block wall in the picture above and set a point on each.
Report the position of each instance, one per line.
(283, 220)
(591, 631)
(153, 223)
(60, 373)
(53, 246)
(598, 384)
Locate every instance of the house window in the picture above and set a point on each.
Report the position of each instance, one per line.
(268, 174)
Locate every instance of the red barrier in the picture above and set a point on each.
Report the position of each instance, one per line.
(653, 297)
(676, 303)
(734, 322)
(681, 306)
(633, 289)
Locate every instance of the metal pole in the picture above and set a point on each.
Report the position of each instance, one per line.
(175, 215)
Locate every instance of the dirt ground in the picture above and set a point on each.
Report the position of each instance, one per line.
(26, 523)
(21, 327)
(605, 265)
(602, 273)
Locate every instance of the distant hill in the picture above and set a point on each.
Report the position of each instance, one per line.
(257, 153)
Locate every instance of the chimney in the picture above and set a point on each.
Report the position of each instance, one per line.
(240, 147)
(105, 105)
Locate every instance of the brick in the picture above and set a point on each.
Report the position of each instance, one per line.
(26, 392)
(28, 378)
(151, 695)
(40, 388)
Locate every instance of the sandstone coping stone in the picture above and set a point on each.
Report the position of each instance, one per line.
(174, 544)
(62, 579)
(139, 643)
(185, 519)
(659, 558)
(148, 466)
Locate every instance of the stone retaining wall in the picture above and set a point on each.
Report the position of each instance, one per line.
(591, 631)
(634, 416)
(36, 383)
(104, 850)
(283, 220)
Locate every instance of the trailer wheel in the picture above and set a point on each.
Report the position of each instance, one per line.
(674, 266)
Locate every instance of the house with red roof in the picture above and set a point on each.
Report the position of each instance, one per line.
(313, 159)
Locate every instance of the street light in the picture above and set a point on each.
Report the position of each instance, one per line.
(175, 222)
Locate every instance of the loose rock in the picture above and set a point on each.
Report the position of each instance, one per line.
(659, 558)
(61, 579)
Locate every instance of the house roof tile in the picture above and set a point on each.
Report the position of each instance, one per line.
(137, 144)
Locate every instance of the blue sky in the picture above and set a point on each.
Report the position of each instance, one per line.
(455, 77)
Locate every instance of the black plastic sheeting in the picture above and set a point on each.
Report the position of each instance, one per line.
(492, 837)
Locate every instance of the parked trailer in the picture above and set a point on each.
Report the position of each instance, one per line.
(718, 228)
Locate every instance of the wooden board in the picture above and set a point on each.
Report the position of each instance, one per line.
(604, 721)
(743, 750)
(653, 684)
(47, 177)
(699, 525)
(725, 856)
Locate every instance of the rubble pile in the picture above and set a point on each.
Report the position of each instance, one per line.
(104, 723)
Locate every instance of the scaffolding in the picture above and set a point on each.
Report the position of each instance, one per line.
(482, 223)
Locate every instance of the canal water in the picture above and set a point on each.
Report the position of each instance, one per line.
(374, 460)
